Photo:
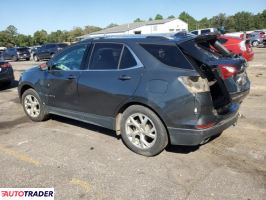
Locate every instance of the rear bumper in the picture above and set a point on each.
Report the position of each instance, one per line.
(239, 96)
(190, 137)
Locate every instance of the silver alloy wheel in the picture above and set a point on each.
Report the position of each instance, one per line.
(32, 106)
(141, 131)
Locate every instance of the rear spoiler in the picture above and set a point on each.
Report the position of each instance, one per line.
(203, 38)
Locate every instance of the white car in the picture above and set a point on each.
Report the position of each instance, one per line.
(205, 31)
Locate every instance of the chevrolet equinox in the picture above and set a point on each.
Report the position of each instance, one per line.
(152, 90)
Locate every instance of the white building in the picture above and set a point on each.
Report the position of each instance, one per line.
(149, 27)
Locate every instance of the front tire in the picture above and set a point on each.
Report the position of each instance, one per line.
(33, 106)
(36, 58)
(142, 131)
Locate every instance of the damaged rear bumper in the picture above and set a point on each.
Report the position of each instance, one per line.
(190, 137)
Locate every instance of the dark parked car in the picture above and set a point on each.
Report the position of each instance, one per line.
(47, 51)
(6, 72)
(152, 90)
(257, 38)
(17, 53)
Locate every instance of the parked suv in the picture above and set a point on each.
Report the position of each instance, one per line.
(47, 51)
(257, 38)
(152, 90)
(17, 53)
(205, 31)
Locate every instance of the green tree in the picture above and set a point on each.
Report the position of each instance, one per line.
(90, 29)
(23, 40)
(158, 17)
(12, 30)
(171, 17)
(138, 20)
(192, 23)
(40, 37)
(111, 25)
(150, 19)
(204, 23)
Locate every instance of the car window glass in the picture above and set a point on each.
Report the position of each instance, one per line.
(195, 32)
(205, 31)
(105, 56)
(70, 59)
(168, 54)
(127, 59)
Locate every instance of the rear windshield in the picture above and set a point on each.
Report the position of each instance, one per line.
(168, 54)
(22, 49)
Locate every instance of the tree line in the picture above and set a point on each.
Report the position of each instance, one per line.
(241, 21)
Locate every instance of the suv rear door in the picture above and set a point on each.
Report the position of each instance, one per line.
(111, 79)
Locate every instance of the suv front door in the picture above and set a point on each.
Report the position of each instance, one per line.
(62, 77)
(112, 78)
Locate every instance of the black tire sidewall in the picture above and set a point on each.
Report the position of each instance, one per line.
(162, 136)
(43, 114)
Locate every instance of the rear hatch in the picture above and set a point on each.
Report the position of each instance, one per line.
(226, 73)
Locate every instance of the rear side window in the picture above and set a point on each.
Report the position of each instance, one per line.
(205, 31)
(105, 56)
(168, 54)
(127, 59)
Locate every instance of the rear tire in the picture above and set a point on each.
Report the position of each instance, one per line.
(142, 131)
(255, 43)
(36, 58)
(14, 58)
(33, 106)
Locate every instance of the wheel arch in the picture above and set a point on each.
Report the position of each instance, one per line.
(120, 111)
(23, 88)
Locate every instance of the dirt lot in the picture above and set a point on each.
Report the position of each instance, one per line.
(82, 161)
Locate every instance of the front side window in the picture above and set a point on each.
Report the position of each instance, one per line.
(168, 54)
(70, 59)
(105, 56)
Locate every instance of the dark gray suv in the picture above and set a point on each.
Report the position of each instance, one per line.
(151, 90)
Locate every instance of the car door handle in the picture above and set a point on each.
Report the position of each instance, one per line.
(71, 77)
(124, 78)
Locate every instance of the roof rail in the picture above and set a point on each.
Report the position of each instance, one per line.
(151, 36)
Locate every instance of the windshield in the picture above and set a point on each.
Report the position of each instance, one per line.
(22, 49)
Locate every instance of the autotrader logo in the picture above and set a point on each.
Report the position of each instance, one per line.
(26, 193)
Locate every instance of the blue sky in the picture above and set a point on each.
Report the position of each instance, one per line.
(51, 15)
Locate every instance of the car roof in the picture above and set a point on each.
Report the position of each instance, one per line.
(152, 38)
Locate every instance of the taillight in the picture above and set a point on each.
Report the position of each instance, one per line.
(204, 126)
(227, 70)
(5, 65)
(194, 84)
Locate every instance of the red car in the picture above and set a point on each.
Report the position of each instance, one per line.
(237, 46)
